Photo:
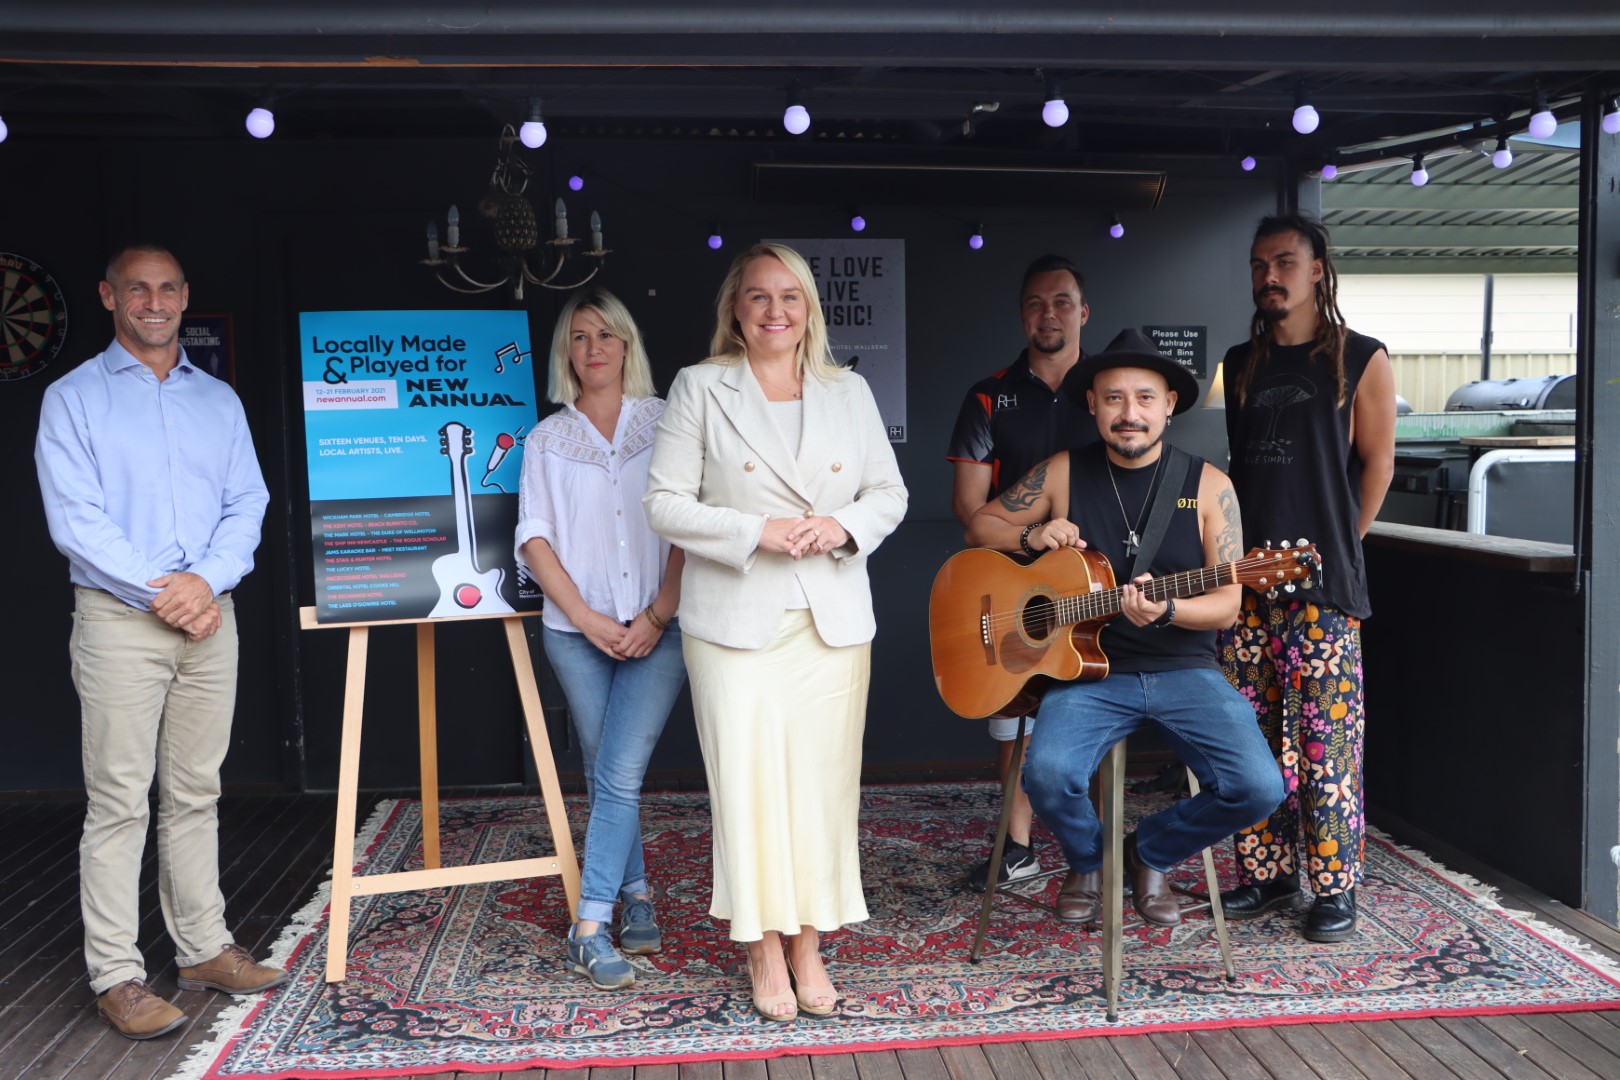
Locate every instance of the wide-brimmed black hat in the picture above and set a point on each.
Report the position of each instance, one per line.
(1132, 348)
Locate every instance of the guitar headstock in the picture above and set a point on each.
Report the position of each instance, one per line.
(450, 432)
(1296, 565)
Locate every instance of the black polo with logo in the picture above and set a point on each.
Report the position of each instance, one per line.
(1013, 421)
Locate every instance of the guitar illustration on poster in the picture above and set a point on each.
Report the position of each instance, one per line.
(463, 588)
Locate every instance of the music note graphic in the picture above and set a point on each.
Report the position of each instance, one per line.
(463, 588)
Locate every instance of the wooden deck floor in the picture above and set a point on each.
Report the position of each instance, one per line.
(276, 848)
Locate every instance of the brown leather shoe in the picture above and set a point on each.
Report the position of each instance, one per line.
(1080, 899)
(1153, 899)
(232, 971)
(132, 1010)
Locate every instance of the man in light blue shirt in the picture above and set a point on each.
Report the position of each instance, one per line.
(153, 492)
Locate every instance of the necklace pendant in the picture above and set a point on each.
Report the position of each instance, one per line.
(1133, 544)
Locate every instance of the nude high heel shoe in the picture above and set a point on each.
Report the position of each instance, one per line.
(765, 1004)
(807, 993)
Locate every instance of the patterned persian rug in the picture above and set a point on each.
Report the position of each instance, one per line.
(474, 978)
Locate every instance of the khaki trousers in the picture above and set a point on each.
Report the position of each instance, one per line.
(153, 703)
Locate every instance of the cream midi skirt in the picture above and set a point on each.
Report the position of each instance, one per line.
(781, 729)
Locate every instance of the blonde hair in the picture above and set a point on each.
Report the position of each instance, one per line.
(636, 380)
(728, 345)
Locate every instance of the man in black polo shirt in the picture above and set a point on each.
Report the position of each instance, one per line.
(1009, 423)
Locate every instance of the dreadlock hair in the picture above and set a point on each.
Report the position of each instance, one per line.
(1330, 326)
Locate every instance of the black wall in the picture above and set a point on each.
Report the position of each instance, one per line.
(270, 229)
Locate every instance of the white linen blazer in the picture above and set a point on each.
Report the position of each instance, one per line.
(721, 467)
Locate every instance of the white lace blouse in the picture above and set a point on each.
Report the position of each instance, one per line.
(582, 495)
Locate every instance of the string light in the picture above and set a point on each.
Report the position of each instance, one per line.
(533, 132)
(576, 182)
(4, 131)
(1420, 175)
(1248, 163)
(976, 239)
(1116, 229)
(1542, 121)
(715, 239)
(1329, 171)
(1611, 118)
(1503, 156)
(1055, 113)
(1306, 117)
(857, 223)
(261, 123)
(796, 118)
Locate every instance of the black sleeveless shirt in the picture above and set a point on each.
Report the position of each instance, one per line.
(1096, 512)
(1293, 467)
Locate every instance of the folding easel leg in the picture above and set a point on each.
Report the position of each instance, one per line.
(545, 766)
(427, 716)
(1113, 796)
(993, 872)
(354, 702)
(1216, 912)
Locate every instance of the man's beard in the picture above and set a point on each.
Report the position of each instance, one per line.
(1269, 314)
(1062, 343)
(1131, 453)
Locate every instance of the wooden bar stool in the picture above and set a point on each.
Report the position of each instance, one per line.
(1110, 782)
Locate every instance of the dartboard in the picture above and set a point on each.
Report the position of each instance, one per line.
(33, 317)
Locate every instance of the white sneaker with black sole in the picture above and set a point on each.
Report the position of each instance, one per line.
(1018, 861)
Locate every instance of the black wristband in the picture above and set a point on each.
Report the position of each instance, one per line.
(1023, 538)
(1169, 615)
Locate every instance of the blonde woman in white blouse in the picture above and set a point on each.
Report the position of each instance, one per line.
(773, 471)
(611, 588)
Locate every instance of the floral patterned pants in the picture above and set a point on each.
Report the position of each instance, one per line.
(1299, 665)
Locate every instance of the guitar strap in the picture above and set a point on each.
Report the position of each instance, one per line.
(1178, 463)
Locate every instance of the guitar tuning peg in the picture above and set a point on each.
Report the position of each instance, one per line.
(1271, 594)
(1302, 542)
(1285, 545)
(1288, 588)
(1307, 584)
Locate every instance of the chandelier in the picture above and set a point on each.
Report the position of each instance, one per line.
(517, 235)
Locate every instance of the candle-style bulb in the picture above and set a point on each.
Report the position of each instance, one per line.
(561, 212)
(453, 233)
(433, 239)
(596, 231)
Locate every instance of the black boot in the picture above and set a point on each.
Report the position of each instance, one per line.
(1252, 901)
(1331, 918)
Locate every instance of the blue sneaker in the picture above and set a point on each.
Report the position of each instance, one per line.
(639, 934)
(597, 959)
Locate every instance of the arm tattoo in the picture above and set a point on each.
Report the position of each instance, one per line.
(1023, 495)
(1229, 544)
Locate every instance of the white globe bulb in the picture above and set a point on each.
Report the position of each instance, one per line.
(1420, 177)
(796, 119)
(4, 131)
(1306, 119)
(261, 123)
(1502, 158)
(532, 134)
(1329, 171)
(1543, 124)
(1055, 113)
(1611, 123)
(1247, 163)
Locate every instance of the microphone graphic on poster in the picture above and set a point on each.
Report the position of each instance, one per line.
(463, 588)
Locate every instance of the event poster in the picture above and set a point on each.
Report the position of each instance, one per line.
(862, 286)
(414, 424)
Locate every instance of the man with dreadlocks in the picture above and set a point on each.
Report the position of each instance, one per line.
(1310, 419)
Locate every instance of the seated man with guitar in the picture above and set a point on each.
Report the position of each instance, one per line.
(1161, 664)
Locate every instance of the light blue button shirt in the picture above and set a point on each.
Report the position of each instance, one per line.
(143, 478)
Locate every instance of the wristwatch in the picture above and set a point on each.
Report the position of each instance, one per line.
(1169, 615)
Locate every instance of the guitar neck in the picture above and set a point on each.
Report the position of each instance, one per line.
(1105, 603)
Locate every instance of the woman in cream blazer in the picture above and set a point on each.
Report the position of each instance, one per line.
(772, 470)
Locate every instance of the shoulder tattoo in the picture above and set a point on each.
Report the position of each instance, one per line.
(1229, 544)
(1023, 495)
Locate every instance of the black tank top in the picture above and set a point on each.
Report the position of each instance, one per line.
(1295, 472)
(1096, 512)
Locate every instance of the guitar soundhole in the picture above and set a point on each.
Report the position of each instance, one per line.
(1037, 619)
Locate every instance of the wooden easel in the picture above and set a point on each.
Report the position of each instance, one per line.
(345, 885)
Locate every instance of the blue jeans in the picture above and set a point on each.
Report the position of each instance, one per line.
(1207, 723)
(619, 709)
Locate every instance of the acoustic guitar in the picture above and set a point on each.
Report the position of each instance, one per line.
(995, 627)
